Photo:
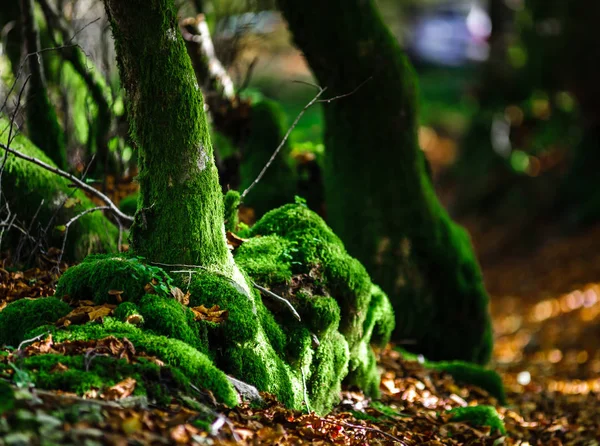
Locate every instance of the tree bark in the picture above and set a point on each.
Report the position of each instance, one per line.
(42, 122)
(379, 198)
(180, 216)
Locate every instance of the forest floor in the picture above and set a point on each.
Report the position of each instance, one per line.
(546, 309)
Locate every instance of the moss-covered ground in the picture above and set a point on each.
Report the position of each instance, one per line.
(290, 254)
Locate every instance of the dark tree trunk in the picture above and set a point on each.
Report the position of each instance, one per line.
(379, 197)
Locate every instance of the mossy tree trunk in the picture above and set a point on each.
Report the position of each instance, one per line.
(180, 215)
(379, 198)
(42, 123)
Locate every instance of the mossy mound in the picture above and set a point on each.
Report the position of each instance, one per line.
(479, 416)
(300, 257)
(100, 275)
(24, 315)
(259, 340)
(79, 374)
(51, 199)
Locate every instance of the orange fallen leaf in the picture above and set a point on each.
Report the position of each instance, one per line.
(212, 314)
(120, 390)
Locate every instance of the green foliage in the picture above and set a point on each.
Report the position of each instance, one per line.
(23, 315)
(479, 416)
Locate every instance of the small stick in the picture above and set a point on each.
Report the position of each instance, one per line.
(110, 205)
(279, 298)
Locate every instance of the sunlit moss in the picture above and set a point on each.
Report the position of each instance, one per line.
(479, 416)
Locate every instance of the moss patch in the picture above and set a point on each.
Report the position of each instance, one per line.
(479, 416)
(24, 315)
(467, 373)
(33, 188)
(297, 249)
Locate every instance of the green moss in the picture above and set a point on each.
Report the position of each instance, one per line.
(7, 397)
(267, 259)
(23, 315)
(129, 204)
(479, 416)
(474, 374)
(180, 216)
(33, 189)
(102, 372)
(97, 275)
(197, 367)
(169, 318)
(294, 241)
(466, 373)
(231, 202)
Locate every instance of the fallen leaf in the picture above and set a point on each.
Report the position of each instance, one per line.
(213, 314)
(121, 390)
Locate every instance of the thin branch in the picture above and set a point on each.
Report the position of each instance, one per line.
(70, 222)
(367, 428)
(113, 208)
(345, 95)
(278, 298)
(282, 143)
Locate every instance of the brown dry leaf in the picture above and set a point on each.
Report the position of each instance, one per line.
(121, 390)
(212, 314)
(100, 312)
(149, 288)
(180, 297)
(59, 368)
(84, 314)
(234, 241)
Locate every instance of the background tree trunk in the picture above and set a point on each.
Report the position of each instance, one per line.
(380, 200)
(42, 122)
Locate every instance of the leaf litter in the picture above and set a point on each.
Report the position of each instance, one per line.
(546, 310)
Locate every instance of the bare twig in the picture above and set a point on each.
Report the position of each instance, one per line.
(111, 206)
(313, 101)
(282, 143)
(70, 222)
(278, 298)
(367, 428)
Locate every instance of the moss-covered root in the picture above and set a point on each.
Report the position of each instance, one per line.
(278, 185)
(33, 188)
(479, 416)
(380, 200)
(22, 316)
(336, 294)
